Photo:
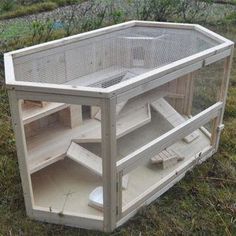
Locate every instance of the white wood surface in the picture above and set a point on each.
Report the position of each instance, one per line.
(147, 151)
(108, 111)
(65, 187)
(68, 218)
(172, 116)
(119, 108)
(51, 184)
(166, 158)
(147, 181)
(85, 158)
(16, 115)
(32, 113)
(52, 143)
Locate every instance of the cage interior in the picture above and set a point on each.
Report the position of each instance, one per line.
(64, 142)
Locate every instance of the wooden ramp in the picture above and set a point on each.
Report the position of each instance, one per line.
(172, 116)
(85, 158)
(89, 160)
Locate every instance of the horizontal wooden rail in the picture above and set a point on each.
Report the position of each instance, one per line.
(139, 156)
(165, 183)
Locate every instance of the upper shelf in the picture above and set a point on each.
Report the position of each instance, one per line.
(32, 113)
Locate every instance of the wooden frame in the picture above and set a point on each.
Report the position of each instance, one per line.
(114, 213)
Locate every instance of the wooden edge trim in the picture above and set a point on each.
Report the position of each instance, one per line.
(60, 98)
(67, 218)
(9, 68)
(71, 39)
(168, 181)
(164, 24)
(212, 34)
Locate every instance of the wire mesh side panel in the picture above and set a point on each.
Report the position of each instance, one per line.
(115, 56)
(207, 83)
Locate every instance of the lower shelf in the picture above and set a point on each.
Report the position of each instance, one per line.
(66, 185)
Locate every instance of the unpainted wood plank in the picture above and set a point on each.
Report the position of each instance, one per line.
(132, 160)
(172, 116)
(31, 113)
(85, 158)
(119, 108)
(166, 158)
(71, 116)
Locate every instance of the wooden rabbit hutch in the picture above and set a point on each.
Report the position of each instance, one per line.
(107, 121)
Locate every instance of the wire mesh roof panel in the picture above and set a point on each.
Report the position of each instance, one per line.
(111, 58)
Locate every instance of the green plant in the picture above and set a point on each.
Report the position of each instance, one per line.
(158, 10)
(28, 10)
(42, 30)
(231, 18)
(7, 5)
(193, 11)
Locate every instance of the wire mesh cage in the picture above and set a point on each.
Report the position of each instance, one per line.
(106, 121)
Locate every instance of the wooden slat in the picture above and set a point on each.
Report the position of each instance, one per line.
(109, 155)
(85, 158)
(133, 120)
(172, 116)
(149, 150)
(166, 158)
(33, 113)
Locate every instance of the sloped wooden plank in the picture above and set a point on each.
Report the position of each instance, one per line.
(85, 158)
(172, 116)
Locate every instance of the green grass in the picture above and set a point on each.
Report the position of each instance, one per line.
(203, 203)
(15, 29)
(28, 10)
(18, 10)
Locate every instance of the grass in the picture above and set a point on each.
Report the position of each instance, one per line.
(18, 10)
(203, 203)
(15, 29)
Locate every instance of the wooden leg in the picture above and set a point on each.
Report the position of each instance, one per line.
(15, 106)
(218, 126)
(108, 114)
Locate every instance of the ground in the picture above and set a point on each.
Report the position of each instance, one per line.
(203, 203)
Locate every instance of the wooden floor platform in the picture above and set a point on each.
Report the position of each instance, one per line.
(70, 183)
(67, 184)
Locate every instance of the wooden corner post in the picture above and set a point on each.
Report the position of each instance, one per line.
(217, 124)
(15, 107)
(108, 114)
